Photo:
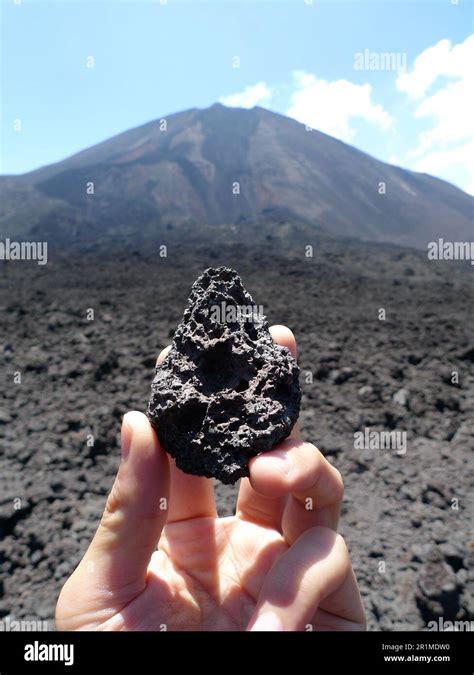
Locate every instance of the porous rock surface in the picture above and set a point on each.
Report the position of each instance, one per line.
(225, 392)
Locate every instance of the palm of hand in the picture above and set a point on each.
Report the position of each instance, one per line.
(207, 574)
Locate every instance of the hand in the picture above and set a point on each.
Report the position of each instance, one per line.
(278, 564)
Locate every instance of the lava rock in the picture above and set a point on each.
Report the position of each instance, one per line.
(5, 416)
(369, 394)
(107, 365)
(340, 376)
(401, 397)
(225, 391)
(437, 592)
(36, 359)
(467, 354)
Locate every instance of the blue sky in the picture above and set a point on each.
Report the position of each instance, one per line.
(321, 63)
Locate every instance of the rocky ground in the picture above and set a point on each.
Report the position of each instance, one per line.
(407, 517)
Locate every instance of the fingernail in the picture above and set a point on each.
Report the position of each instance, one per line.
(125, 438)
(281, 460)
(268, 621)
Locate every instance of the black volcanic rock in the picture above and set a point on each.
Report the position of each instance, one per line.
(225, 392)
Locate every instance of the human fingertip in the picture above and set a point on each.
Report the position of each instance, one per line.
(283, 336)
(275, 460)
(162, 355)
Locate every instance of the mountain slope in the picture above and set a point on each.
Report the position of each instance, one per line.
(149, 181)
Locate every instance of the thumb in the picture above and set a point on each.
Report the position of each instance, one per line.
(136, 509)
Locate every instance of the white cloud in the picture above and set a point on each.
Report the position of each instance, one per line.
(330, 106)
(440, 162)
(442, 85)
(433, 62)
(251, 96)
(326, 106)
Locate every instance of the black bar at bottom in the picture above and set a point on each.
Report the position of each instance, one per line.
(138, 653)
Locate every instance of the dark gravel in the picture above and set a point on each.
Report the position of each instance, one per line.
(83, 334)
